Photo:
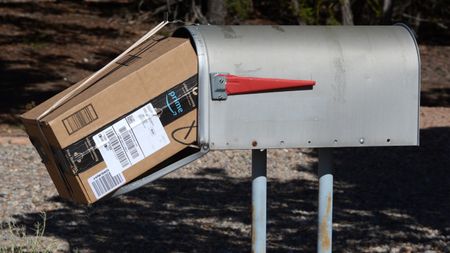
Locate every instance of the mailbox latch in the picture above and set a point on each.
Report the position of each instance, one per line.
(224, 85)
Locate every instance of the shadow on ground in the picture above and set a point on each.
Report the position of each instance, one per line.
(387, 197)
(18, 87)
(435, 97)
(50, 46)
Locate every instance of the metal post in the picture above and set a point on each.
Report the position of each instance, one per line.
(325, 211)
(259, 200)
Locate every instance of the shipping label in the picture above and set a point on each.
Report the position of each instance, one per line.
(131, 139)
(104, 182)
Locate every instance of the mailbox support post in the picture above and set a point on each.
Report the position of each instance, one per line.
(259, 200)
(325, 212)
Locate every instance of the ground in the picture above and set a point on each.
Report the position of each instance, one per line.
(386, 199)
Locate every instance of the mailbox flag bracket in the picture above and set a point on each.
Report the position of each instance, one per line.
(224, 85)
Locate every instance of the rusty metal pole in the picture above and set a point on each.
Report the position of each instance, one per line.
(259, 200)
(325, 212)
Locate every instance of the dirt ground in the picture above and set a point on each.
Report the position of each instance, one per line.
(386, 199)
(47, 47)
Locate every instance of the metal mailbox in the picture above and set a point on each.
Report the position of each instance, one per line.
(364, 90)
(266, 87)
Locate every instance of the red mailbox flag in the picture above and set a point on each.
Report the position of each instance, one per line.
(242, 85)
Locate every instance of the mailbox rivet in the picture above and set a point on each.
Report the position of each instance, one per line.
(205, 147)
(361, 140)
(254, 143)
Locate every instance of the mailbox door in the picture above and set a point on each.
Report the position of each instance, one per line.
(366, 92)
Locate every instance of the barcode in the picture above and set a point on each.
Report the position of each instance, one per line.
(117, 148)
(143, 119)
(80, 119)
(105, 182)
(130, 119)
(129, 143)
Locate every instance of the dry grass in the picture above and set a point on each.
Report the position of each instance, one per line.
(16, 239)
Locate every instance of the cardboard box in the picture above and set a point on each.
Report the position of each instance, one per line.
(136, 115)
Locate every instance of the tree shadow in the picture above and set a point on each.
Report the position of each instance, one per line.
(42, 31)
(396, 193)
(187, 215)
(18, 87)
(49, 54)
(435, 97)
(382, 196)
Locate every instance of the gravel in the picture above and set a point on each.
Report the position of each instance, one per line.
(386, 200)
(26, 185)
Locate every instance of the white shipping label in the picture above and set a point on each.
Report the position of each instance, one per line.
(131, 139)
(104, 182)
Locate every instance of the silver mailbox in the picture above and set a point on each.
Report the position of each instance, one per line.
(366, 92)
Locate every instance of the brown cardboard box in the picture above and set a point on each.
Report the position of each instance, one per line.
(122, 124)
